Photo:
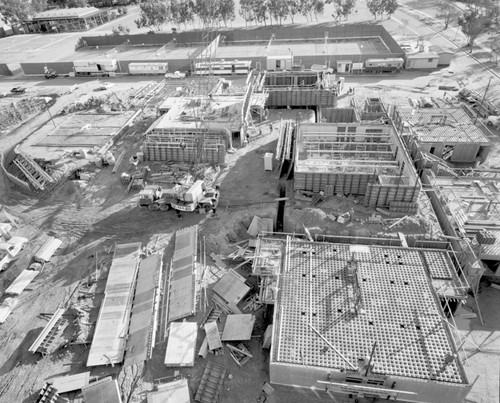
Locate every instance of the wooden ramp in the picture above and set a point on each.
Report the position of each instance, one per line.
(182, 294)
(108, 344)
(21, 282)
(143, 323)
(49, 332)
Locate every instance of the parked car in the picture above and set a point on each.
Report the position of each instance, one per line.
(18, 90)
(176, 75)
(104, 86)
(10, 249)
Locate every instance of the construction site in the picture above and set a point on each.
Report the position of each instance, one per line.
(273, 235)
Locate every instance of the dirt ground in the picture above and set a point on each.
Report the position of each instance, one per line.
(90, 217)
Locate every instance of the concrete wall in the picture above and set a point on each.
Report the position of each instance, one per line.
(12, 178)
(37, 68)
(4, 70)
(462, 152)
(425, 391)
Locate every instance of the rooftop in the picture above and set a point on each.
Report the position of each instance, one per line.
(66, 13)
(356, 295)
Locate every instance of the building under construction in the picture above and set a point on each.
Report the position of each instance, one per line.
(447, 133)
(202, 128)
(363, 320)
(361, 159)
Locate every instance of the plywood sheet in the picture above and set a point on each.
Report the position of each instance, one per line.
(70, 383)
(21, 282)
(181, 344)
(172, 392)
(102, 391)
(238, 327)
(231, 287)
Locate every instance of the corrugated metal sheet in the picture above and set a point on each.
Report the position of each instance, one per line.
(108, 344)
(47, 250)
(21, 282)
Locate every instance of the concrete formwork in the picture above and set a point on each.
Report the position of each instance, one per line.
(335, 301)
(352, 158)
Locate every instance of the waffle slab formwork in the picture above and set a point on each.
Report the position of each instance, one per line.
(339, 304)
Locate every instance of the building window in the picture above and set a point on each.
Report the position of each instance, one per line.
(430, 60)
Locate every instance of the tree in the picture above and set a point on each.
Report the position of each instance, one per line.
(473, 24)
(39, 5)
(448, 12)
(343, 8)
(278, 9)
(375, 7)
(318, 8)
(15, 11)
(120, 30)
(226, 11)
(154, 13)
(76, 3)
(293, 8)
(246, 11)
(390, 7)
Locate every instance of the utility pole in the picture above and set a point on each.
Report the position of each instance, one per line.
(484, 96)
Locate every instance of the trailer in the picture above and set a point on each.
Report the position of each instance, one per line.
(105, 67)
(222, 67)
(148, 68)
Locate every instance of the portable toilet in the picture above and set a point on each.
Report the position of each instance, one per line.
(268, 161)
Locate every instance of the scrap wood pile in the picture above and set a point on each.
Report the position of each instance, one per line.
(176, 172)
(17, 112)
(244, 253)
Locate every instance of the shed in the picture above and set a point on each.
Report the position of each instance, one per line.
(67, 20)
(445, 55)
(422, 60)
(279, 62)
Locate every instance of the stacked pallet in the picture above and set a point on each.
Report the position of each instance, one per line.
(485, 237)
(211, 383)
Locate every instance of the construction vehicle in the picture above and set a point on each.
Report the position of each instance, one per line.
(192, 198)
(195, 198)
(10, 249)
(153, 197)
(493, 121)
(49, 73)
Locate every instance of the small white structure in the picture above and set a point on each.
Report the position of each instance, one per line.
(105, 67)
(445, 55)
(148, 68)
(422, 60)
(280, 62)
(344, 66)
(268, 161)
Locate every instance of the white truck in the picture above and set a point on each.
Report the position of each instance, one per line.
(10, 249)
(176, 75)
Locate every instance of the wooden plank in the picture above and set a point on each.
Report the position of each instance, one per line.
(213, 335)
(64, 384)
(21, 282)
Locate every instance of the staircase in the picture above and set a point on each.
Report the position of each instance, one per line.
(31, 170)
